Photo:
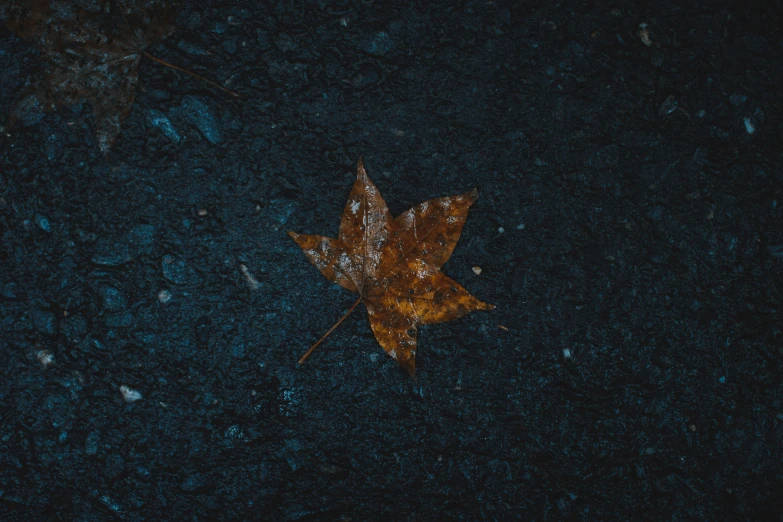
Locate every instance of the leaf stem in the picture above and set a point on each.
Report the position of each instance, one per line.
(307, 354)
(177, 68)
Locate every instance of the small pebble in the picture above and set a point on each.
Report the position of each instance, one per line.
(129, 394)
(644, 34)
(501, 230)
(202, 212)
(164, 296)
(45, 357)
(566, 353)
(477, 270)
(668, 106)
(45, 322)
(43, 223)
(521, 226)
(749, 127)
(9, 291)
(738, 99)
(252, 282)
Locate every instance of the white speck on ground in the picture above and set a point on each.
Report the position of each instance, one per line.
(129, 394)
(164, 296)
(252, 282)
(45, 357)
(644, 34)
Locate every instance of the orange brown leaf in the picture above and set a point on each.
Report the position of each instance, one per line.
(394, 264)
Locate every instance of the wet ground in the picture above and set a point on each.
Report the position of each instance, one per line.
(629, 230)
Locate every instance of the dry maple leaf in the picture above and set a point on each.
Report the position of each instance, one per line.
(89, 56)
(394, 265)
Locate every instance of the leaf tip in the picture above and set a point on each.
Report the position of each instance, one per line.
(293, 234)
(472, 196)
(360, 168)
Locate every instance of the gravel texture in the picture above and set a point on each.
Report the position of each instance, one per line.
(629, 230)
